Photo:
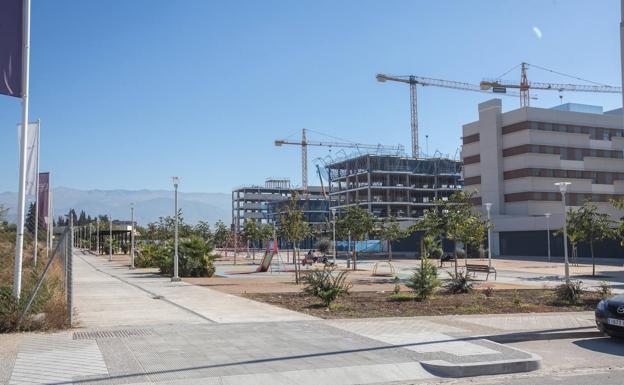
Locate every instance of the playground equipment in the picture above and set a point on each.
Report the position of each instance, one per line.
(267, 258)
(266, 263)
(390, 273)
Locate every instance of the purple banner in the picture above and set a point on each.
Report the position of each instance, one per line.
(11, 21)
(43, 201)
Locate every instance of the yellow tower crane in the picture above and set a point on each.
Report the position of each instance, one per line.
(501, 86)
(414, 81)
(304, 143)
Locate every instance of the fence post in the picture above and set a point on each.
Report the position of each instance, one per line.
(69, 267)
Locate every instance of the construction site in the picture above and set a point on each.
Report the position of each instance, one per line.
(261, 203)
(392, 186)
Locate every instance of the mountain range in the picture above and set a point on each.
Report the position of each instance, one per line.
(149, 204)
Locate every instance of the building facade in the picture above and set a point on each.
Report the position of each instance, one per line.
(259, 203)
(513, 159)
(390, 185)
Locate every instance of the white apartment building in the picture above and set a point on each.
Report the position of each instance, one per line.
(513, 159)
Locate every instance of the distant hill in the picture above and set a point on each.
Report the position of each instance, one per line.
(149, 204)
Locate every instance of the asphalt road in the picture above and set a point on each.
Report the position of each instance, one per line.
(611, 377)
(583, 361)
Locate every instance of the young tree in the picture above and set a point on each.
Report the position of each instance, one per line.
(266, 232)
(454, 219)
(82, 219)
(249, 234)
(358, 222)
(221, 234)
(3, 218)
(202, 230)
(30, 218)
(425, 280)
(390, 230)
(589, 225)
(294, 228)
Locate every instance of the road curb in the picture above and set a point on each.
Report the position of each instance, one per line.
(447, 369)
(590, 332)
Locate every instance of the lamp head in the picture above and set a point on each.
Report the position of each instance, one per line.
(176, 180)
(563, 186)
(547, 215)
(381, 78)
(488, 206)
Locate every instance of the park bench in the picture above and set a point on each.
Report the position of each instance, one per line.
(447, 257)
(481, 269)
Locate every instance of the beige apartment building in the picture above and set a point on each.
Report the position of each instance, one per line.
(513, 159)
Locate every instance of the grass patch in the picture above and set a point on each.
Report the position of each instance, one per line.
(401, 297)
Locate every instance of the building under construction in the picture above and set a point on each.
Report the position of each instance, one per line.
(260, 203)
(390, 185)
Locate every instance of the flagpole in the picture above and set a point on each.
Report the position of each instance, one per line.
(50, 225)
(35, 252)
(19, 241)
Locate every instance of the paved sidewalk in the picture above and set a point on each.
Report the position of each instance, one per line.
(139, 328)
(142, 294)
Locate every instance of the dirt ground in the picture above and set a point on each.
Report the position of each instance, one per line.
(376, 304)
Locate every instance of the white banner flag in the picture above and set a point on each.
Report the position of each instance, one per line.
(32, 156)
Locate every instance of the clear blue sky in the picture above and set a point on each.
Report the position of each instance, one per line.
(131, 92)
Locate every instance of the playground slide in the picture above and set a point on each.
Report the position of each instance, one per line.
(266, 261)
(267, 258)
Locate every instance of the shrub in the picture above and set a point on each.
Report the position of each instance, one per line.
(433, 247)
(425, 280)
(194, 259)
(489, 291)
(326, 285)
(605, 290)
(397, 285)
(323, 245)
(570, 292)
(8, 310)
(459, 283)
(401, 297)
(146, 256)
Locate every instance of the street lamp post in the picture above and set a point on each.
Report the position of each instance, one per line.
(563, 186)
(175, 278)
(333, 210)
(97, 235)
(110, 238)
(547, 215)
(132, 236)
(488, 207)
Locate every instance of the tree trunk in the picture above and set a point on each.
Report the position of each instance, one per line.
(354, 258)
(591, 248)
(390, 251)
(253, 253)
(296, 265)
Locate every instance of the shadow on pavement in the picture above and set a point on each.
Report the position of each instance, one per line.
(606, 345)
(548, 334)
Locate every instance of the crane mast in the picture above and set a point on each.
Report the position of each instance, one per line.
(415, 81)
(304, 143)
(414, 116)
(525, 86)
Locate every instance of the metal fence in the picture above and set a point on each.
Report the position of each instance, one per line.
(62, 253)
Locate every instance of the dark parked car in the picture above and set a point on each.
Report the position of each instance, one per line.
(610, 316)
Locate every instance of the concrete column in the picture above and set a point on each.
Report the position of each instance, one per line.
(491, 150)
(622, 46)
(495, 243)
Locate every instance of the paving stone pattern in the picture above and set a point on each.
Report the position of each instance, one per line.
(201, 336)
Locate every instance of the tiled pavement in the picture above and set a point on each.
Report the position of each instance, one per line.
(201, 336)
